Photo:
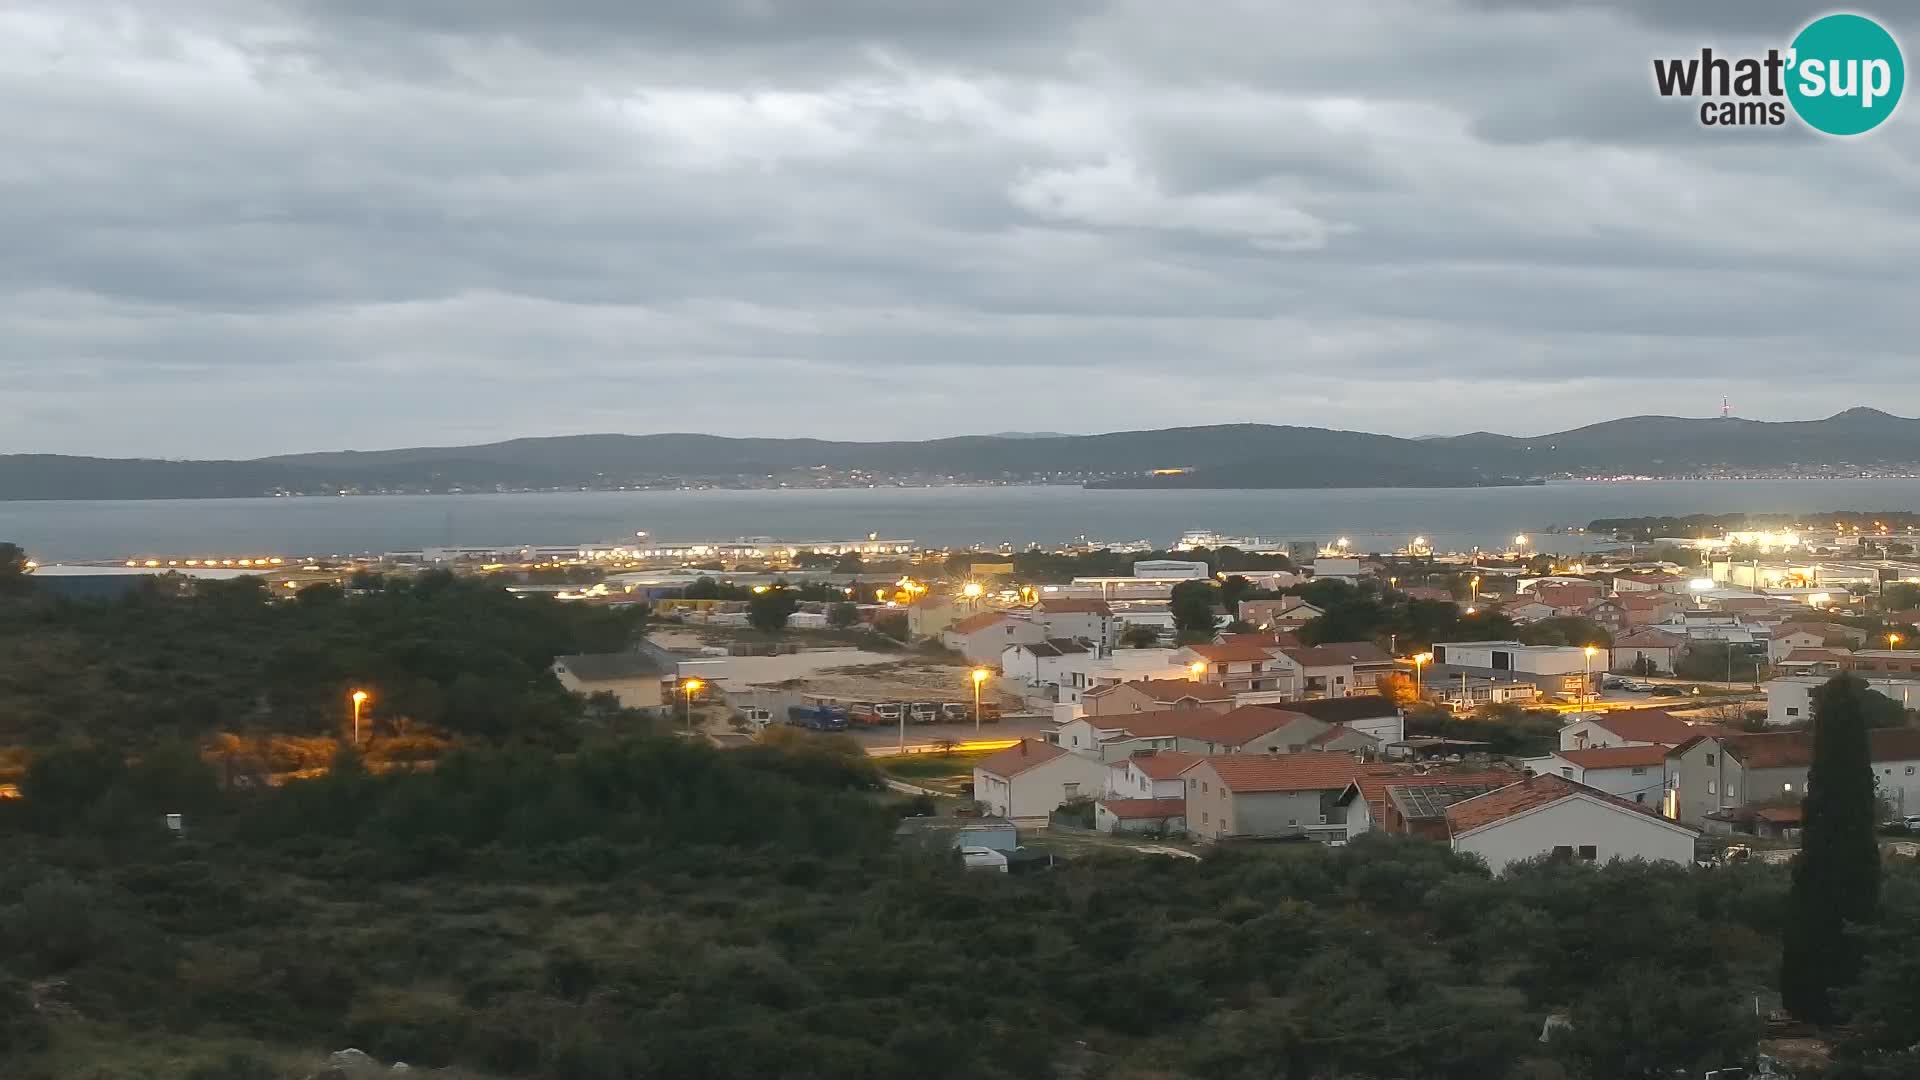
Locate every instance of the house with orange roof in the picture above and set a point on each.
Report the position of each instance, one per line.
(1629, 610)
(1727, 770)
(1553, 816)
(1657, 648)
(1261, 795)
(1153, 695)
(1240, 666)
(1153, 816)
(1788, 636)
(1379, 801)
(982, 638)
(1628, 727)
(1149, 774)
(1336, 668)
(1029, 780)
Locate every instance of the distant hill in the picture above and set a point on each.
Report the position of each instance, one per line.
(1220, 456)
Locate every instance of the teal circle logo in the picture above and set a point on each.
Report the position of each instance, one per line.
(1845, 74)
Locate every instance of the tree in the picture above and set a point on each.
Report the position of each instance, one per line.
(1894, 595)
(1836, 880)
(1396, 687)
(1643, 665)
(1138, 636)
(1233, 590)
(13, 568)
(769, 611)
(841, 616)
(1192, 608)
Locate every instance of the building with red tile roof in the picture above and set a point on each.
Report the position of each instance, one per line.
(1029, 780)
(1254, 795)
(1553, 816)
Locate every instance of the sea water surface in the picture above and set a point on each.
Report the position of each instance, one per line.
(1372, 518)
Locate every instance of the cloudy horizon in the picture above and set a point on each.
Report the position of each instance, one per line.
(248, 227)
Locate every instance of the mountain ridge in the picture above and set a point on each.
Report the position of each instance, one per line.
(1242, 455)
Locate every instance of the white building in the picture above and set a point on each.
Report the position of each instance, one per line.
(1637, 774)
(1029, 780)
(1066, 617)
(1124, 665)
(982, 638)
(1552, 815)
(1790, 697)
(1041, 665)
(1149, 774)
(1629, 727)
(1513, 656)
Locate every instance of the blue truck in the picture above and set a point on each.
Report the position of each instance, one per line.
(818, 717)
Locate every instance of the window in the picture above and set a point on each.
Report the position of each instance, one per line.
(1787, 787)
(1070, 790)
(1566, 771)
(1293, 823)
(1588, 853)
(1709, 759)
(1640, 797)
(1639, 770)
(1710, 789)
(1203, 786)
(1793, 710)
(1909, 770)
(1563, 851)
(1203, 817)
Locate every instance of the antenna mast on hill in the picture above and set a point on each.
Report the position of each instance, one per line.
(1726, 410)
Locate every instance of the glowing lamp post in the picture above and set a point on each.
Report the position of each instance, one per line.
(979, 675)
(1586, 671)
(687, 689)
(359, 699)
(1419, 666)
(1197, 669)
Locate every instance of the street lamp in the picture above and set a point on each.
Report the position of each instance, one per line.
(1419, 684)
(1893, 639)
(359, 698)
(1475, 583)
(1197, 669)
(979, 677)
(1586, 671)
(687, 689)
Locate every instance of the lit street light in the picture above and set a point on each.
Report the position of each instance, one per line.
(979, 677)
(1419, 662)
(1893, 640)
(1586, 672)
(359, 698)
(1197, 669)
(687, 688)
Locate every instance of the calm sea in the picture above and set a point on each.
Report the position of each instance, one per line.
(1374, 519)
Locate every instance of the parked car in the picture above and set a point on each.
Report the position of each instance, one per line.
(924, 712)
(1912, 822)
(980, 858)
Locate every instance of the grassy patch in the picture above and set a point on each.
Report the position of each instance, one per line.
(955, 766)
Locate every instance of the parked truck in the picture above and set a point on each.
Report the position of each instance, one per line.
(820, 717)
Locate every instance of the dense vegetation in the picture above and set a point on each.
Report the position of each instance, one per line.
(440, 654)
(648, 908)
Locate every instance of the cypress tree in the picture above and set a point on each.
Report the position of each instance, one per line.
(1836, 880)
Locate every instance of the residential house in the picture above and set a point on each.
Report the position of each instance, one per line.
(930, 615)
(1825, 662)
(1044, 666)
(1285, 614)
(1529, 611)
(1370, 714)
(1122, 665)
(1630, 611)
(1801, 635)
(1149, 774)
(1564, 598)
(1085, 620)
(1371, 805)
(1029, 780)
(1252, 795)
(1151, 816)
(1716, 773)
(1637, 774)
(1241, 666)
(1563, 670)
(1149, 695)
(1629, 727)
(640, 680)
(982, 638)
(1657, 649)
(1552, 815)
(1867, 663)
(1250, 729)
(1335, 669)
(1790, 697)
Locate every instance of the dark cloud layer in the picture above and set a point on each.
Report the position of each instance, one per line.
(247, 226)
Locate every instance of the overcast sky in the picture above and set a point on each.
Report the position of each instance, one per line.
(241, 227)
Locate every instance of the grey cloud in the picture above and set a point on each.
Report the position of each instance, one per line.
(496, 219)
